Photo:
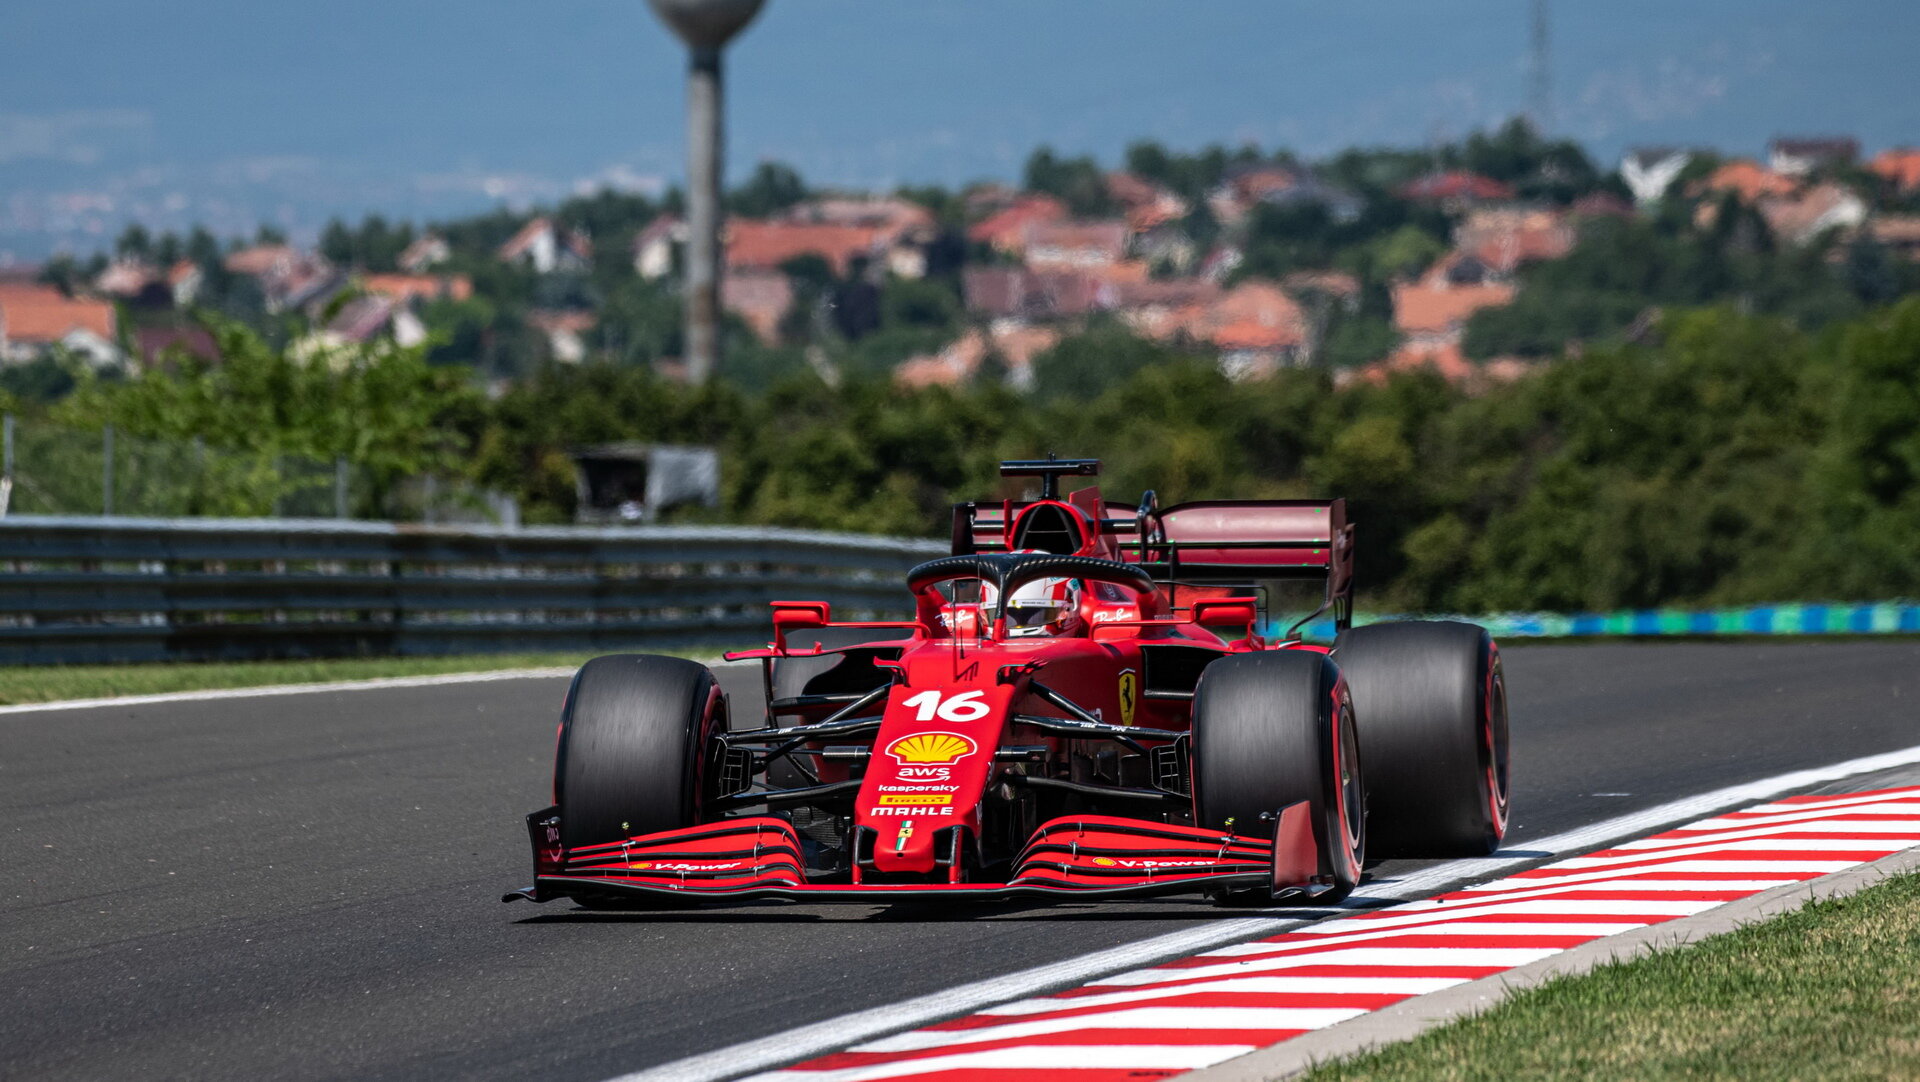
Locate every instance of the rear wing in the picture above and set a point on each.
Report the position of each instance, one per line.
(1207, 542)
(1240, 540)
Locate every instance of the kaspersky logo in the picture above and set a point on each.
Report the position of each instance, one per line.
(916, 800)
(931, 749)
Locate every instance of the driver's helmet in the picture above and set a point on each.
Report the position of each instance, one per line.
(1040, 607)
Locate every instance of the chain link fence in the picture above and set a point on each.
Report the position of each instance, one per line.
(53, 469)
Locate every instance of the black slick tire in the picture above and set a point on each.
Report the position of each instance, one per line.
(633, 736)
(1272, 729)
(1431, 703)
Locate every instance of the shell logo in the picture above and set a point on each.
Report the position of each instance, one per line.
(932, 749)
(641, 864)
(1105, 862)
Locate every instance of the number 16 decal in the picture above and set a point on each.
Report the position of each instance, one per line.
(963, 706)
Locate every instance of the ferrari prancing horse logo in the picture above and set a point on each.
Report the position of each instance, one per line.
(1129, 695)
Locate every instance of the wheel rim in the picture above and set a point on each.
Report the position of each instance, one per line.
(1494, 745)
(1352, 800)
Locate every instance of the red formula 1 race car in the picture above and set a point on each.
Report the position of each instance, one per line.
(1083, 705)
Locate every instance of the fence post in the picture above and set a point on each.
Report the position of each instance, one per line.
(201, 486)
(6, 463)
(340, 486)
(106, 470)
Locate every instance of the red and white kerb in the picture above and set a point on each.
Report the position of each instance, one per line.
(1212, 1007)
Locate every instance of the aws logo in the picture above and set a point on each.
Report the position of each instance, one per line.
(931, 749)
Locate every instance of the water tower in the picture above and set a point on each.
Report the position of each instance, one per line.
(706, 26)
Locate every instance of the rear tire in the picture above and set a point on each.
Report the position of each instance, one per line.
(1432, 705)
(632, 740)
(1272, 729)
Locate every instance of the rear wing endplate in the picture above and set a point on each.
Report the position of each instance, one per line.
(1241, 540)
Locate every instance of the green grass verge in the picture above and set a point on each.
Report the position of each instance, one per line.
(48, 683)
(1828, 991)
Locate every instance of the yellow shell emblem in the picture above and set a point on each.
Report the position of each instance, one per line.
(1105, 862)
(641, 864)
(932, 749)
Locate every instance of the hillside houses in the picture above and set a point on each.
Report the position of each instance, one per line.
(545, 248)
(1370, 262)
(36, 319)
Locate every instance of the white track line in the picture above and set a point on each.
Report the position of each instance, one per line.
(806, 1042)
(377, 684)
(380, 683)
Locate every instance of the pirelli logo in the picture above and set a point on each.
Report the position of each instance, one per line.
(916, 800)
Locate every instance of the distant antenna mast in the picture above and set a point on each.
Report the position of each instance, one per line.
(1540, 73)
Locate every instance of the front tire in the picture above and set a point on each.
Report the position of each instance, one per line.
(1432, 704)
(1272, 729)
(632, 740)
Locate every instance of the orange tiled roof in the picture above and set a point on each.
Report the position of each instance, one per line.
(44, 315)
(957, 363)
(758, 245)
(1337, 283)
(1079, 241)
(1900, 165)
(890, 214)
(1248, 334)
(1749, 180)
(126, 278)
(1147, 204)
(518, 244)
(1124, 273)
(1504, 239)
(1440, 309)
(1252, 315)
(572, 240)
(405, 287)
(1448, 361)
(552, 320)
(259, 260)
(1812, 210)
(1007, 229)
(1456, 184)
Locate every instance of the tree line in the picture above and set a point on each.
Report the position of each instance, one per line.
(1721, 457)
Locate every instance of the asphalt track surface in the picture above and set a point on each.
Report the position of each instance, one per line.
(306, 887)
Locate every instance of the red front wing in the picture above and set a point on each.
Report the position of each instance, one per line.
(1085, 855)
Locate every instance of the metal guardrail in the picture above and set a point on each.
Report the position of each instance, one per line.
(86, 589)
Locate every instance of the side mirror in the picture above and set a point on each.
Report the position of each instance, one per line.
(798, 616)
(1227, 613)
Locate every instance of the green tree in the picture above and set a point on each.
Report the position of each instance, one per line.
(772, 188)
(1077, 182)
(1083, 366)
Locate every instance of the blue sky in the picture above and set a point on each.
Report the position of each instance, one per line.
(233, 111)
